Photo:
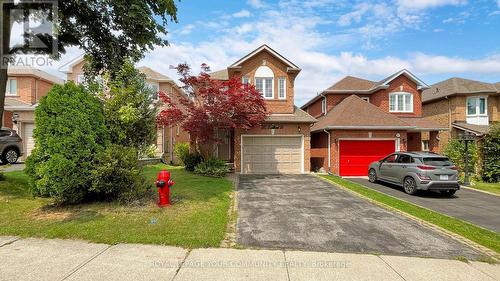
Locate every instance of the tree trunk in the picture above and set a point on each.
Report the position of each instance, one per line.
(3, 64)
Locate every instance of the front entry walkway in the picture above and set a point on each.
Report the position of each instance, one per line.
(303, 212)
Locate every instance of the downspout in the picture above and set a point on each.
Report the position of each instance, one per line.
(329, 151)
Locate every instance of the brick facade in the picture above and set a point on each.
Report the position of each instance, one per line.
(249, 67)
(446, 111)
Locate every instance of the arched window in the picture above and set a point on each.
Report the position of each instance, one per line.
(264, 81)
(400, 102)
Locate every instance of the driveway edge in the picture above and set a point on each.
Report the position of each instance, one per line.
(486, 251)
(230, 237)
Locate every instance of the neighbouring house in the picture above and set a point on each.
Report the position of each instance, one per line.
(361, 121)
(282, 143)
(462, 105)
(167, 137)
(25, 87)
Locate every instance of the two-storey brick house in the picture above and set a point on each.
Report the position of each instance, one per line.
(361, 121)
(281, 144)
(25, 87)
(167, 137)
(462, 105)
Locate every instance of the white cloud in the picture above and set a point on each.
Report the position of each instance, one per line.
(498, 3)
(433, 64)
(425, 4)
(354, 16)
(256, 3)
(187, 29)
(241, 14)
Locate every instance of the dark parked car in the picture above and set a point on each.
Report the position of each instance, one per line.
(10, 146)
(416, 171)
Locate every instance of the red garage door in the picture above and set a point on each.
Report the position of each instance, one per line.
(356, 155)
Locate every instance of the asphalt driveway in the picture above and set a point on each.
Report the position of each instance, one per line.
(307, 213)
(476, 207)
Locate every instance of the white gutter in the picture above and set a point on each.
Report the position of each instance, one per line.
(329, 151)
(371, 127)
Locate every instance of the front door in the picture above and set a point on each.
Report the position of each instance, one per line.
(224, 144)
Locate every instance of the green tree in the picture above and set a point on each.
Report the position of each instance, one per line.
(129, 108)
(455, 150)
(70, 134)
(109, 31)
(490, 148)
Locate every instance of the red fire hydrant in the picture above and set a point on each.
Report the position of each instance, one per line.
(164, 182)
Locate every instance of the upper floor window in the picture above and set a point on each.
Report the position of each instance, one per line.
(264, 81)
(282, 88)
(155, 86)
(476, 106)
(245, 80)
(11, 88)
(80, 79)
(400, 102)
(323, 105)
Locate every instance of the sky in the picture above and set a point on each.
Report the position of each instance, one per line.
(329, 39)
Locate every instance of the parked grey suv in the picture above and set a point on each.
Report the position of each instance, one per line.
(416, 171)
(10, 146)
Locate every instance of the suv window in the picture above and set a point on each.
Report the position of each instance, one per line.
(437, 161)
(391, 159)
(4, 133)
(403, 158)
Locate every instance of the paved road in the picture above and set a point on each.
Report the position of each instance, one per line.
(305, 212)
(476, 207)
(40, 259)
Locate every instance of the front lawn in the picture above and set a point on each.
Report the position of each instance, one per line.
(490, 187)
(477, 234)
(198, 217)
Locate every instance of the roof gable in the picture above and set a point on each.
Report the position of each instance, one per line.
(68, 67)
(420, 84)
(154, 75)
(264, 47)
(355, 113)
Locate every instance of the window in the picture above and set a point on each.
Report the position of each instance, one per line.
(155, 86)
(11, 88)
(323, 105)
(390, 159)
(80, 79)
(476, 106)
(437, 161)
(245, 80)
(425, 145)
(264, 78)
(282, 88)
(405, 159)
(367, 99)
(400, 102)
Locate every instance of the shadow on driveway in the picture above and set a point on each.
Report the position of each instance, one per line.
(305, 212)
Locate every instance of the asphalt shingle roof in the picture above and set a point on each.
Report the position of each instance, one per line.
(455, 86)
(298, 116)
(353, 112)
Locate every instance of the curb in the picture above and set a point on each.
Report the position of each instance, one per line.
(482, 249)
(479, 190)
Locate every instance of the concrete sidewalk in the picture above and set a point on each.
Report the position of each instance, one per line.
(43, 259)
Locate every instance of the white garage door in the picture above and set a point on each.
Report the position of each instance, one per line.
(271, 154)
(28, 140)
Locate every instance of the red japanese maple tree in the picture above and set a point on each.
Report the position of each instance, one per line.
(215, 104)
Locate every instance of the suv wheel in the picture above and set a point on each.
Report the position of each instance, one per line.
(10, 156)
(372, 175)
(410, 186)
(447, 193)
